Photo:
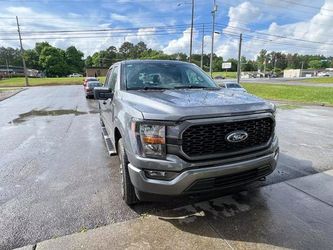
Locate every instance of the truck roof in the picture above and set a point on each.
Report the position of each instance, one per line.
(150, 61)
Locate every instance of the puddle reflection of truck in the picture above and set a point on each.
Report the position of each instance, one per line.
(179, 133)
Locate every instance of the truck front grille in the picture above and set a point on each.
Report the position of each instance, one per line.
(209, 139)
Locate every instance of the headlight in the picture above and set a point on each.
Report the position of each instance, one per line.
(274, 109)
(152, 140)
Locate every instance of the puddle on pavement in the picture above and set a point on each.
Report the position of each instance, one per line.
(34, 113)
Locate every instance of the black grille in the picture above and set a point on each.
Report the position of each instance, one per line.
(229, 181)
(210, 139)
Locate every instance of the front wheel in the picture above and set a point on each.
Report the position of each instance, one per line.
(127, 188)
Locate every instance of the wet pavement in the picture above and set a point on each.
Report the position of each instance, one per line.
(264, 218)
(56, 177)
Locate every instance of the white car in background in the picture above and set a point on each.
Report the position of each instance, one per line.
(75, 75)
(233, 86)
(327, 74)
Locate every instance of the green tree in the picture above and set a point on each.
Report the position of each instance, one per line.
(105, 59)
(40, 46)
(217, 63)
(31, 58)
(74, 60)
(139, 49)
(53, 61)
(112, 54)
(262, 59)
(127, 50)
(88, 62)
(315, 64)
(96, 60)
(11, 55)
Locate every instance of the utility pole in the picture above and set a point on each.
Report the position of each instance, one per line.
(213, 32)
(302, 66)
(7, 67)
(239, 57)
(191, 39)
(202, 44)
(22, 53)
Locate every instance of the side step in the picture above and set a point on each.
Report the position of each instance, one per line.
(108, 142)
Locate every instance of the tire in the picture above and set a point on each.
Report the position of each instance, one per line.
(127, 188)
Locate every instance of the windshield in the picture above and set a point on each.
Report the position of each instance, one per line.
(234, 86)
(165, 75)
(93, 84)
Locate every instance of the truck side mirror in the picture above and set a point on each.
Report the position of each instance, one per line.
(102, 93)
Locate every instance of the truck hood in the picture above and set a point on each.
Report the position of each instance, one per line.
(194, 103)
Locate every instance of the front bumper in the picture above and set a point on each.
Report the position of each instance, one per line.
(188, 177)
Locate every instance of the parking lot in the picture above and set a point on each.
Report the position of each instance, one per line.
(56, 177)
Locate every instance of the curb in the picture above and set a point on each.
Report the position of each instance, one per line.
(11, 94)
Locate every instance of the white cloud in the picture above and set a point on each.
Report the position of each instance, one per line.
(43, 21)
(181, 44)
(146, 35)
(318, 28)
(243, 14)
(118, 17)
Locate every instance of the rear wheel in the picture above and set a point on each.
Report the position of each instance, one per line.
(127, 188)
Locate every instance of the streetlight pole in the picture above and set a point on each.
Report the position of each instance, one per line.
(213, 32)
(202, 45)
(192, 20)
(191, 39)
(239, 58)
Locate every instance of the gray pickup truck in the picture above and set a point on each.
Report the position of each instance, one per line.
(177, 133)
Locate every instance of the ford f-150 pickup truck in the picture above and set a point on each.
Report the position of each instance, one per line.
(177, 133)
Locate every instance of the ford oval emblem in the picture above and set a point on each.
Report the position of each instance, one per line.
(237, 136)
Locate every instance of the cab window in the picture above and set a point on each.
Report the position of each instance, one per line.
(113, 78)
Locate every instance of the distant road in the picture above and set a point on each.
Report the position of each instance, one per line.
(282, 81)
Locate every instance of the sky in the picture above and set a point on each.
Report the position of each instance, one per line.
(293, 26)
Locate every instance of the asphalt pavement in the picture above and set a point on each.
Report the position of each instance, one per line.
(294, 214)
(56, 177)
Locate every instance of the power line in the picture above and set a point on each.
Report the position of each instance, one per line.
(307, 6)
(113, 29)
(271, 43)
(262, 6)
(95, 36)
(278, 36)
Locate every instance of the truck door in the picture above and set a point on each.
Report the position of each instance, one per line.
(108, 104)
(102, 103)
